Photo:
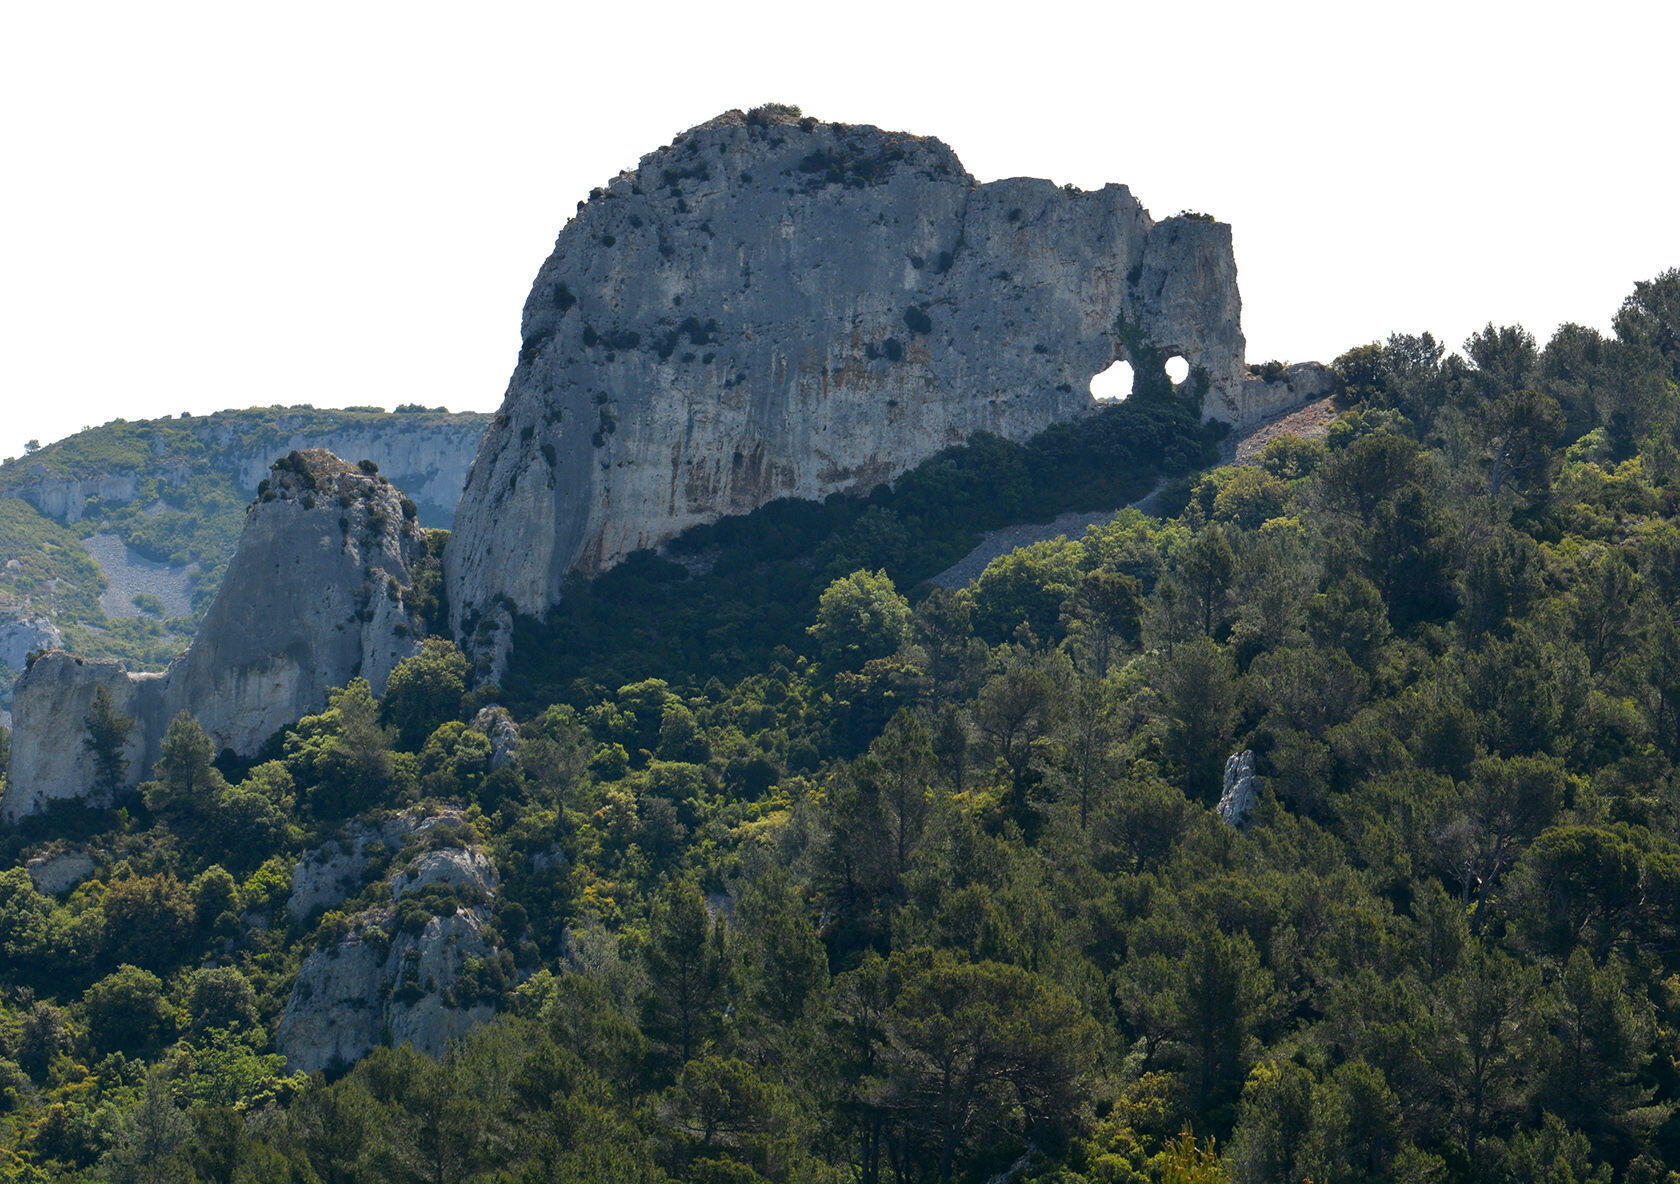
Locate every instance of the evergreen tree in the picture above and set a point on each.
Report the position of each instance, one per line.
(106, 742)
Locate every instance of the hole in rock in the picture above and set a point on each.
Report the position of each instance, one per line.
(1177, 369)
(1113, 384)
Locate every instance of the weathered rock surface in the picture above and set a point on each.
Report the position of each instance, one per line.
(384, 981)
(317, 593)
(66, 498)
(1241, 790)
(1266, 395)
(427, 462)
(330, 874)
(496, 722)
(427, 456)
(772, 308)
(56, 872)
(22, 636)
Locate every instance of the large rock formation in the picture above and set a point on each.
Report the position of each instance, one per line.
(394, 974)
(25, 635)
(775, 307)
(318, 592)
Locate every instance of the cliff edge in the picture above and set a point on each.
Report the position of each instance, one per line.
(320, 590)
(777, 307)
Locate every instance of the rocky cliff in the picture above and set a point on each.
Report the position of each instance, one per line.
(777, 307)
(394, 973)
(136, 520)
(319, 591)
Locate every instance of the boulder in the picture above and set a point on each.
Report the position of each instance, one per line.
(56, 872)
(498, 724)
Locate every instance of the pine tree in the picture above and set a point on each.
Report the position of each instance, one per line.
(107, 736)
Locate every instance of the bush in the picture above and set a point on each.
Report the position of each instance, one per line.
(126, 1011)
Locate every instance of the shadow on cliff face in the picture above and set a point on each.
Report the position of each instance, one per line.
(725, 599)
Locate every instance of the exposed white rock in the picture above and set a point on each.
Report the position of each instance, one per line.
(1301, 383)
(498, 724)
(57, 872)
(22, 636)
(776, 308)
(50, 706)
(1241, 792)
(428, 462)
(455, 867)
(316, 594)
(330, 874)
(66, 498)
(381, 983)
(333, 872)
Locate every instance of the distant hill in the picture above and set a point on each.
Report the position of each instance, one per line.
(113, 541)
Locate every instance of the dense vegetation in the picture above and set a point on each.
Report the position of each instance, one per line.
(187, 511)
(933, 891)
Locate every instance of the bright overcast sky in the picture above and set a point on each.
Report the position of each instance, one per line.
(217, 205)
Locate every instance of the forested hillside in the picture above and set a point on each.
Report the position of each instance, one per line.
(808, 873)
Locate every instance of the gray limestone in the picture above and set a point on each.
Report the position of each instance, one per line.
(382, 981)
(56, 872)
(497, 723)
(1240, 792)
(25, 635)
(771, 307)
(315, 595)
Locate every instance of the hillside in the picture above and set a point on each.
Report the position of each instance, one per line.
(727, 799)
(117, 537)
(957, 883)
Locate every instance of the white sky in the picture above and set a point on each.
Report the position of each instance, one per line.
(215, 205)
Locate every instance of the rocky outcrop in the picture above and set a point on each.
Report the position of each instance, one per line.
(426, 455)
(56, 872)
(327, 876)
(773, 307)
(66, 498)
(22, 636)
(50, 707)
(497, 723)
(397, 976)
(316, 594)
(1277, 388)
(428, 461)
(1241, 790)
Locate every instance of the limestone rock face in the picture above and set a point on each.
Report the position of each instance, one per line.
(22, 636)
(1264, 395)
(427, 462)
(773, 308)
(50, 759)
(330, 874)
(426, 456)
(497, 723)
(56, 872)
(382, 980)
(1241, 790)
(316, 594)
(65, 498)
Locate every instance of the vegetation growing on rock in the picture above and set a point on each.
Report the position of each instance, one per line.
(948, 899)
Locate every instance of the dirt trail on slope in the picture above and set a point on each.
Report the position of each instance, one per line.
(1307, 422)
